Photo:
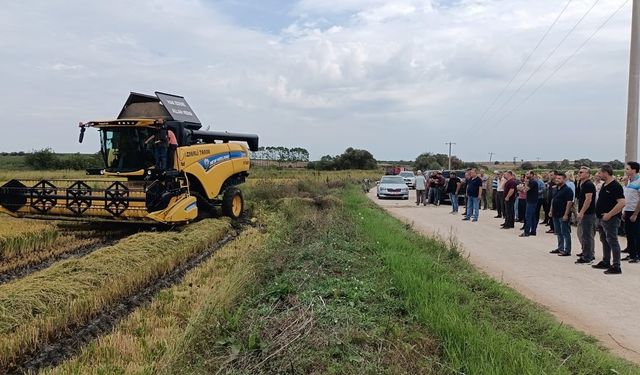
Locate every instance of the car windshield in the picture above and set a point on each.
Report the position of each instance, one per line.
(406, 174)
(124, 149)
(392, 180)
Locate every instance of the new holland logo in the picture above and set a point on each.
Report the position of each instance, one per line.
(212, 161)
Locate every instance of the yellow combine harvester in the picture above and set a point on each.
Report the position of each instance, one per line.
(204, 170)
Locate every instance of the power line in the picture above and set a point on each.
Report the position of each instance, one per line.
(563, 63)
(539, 67)
(526, 60)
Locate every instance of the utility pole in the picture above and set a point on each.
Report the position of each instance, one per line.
(450, 144)
(491, 156)
(631, 144)
(514, 161)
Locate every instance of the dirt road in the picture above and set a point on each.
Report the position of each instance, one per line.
(607, 307)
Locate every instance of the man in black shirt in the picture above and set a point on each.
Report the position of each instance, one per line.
(560, 211)
(586, 191)
(608, 208)
(530, 219)
(474, 192)
(453, 188)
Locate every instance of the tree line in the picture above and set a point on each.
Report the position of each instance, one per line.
(47, 159)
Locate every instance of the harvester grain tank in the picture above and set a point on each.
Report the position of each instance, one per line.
(207, 167)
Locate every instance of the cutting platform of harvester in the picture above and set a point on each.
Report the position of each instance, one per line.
(203, 172)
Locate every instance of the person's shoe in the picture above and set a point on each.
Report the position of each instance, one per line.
(579, 255)
(497, 217)
(601, 265)
(634, 260)
(613, 271)
(626, 251)
(466, 219)
(506, 227)
(626, 258)
(556, 251)
(564, 254)
(524, 235)
(474, 220)
(583, 261)
(551, 231)
(532, 234)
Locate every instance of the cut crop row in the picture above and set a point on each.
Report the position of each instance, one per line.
(35, 308)
(145, 340)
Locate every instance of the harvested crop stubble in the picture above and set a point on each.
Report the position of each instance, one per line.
(140, 343)
(18, 237)
(34, 308)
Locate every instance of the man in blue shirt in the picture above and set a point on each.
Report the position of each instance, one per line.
(474, 191)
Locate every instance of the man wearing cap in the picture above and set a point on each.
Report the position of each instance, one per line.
(421, 185)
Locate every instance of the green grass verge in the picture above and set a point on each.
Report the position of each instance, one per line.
(35, 307)
(483, 326)
(322, 306)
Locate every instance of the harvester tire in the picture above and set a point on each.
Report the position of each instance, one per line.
(232, 203)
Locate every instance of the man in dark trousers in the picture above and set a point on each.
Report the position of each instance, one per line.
(510, 187)
(530, 219)
(608, 208)
(586, 215)
(632, 210)
(160, 140)
(560, 213)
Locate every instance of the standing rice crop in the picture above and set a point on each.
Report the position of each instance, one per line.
(18, 237)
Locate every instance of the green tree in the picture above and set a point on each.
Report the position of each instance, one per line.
(616, 164)
(42, 159)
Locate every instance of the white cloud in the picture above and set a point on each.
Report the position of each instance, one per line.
(397, 77)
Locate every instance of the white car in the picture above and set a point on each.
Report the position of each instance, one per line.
(392, 187)
(409, 178)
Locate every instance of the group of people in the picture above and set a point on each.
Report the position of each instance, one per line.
(593, 203)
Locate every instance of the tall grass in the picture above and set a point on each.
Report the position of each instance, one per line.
(484, 327)
(34, 308)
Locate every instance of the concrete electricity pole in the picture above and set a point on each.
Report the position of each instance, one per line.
(631, 145)
(515, 164)
(450, 144)
(491, 156)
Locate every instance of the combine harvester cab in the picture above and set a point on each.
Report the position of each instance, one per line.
(206, 168)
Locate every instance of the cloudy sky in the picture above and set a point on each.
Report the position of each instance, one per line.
(395, 77)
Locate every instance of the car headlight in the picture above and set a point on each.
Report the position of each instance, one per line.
(404, 190)
(382, 188)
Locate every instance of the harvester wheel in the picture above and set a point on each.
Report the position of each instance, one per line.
(232, 203)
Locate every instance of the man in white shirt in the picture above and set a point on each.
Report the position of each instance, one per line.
(421, 187)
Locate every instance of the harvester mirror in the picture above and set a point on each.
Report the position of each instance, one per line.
(82, 129)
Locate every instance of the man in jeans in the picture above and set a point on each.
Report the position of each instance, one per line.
(631, 210)
(453, 189)
(421, 185)
(474, 192)
(609, 205)
(560, 213)
(530, 219)
(586, 215)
